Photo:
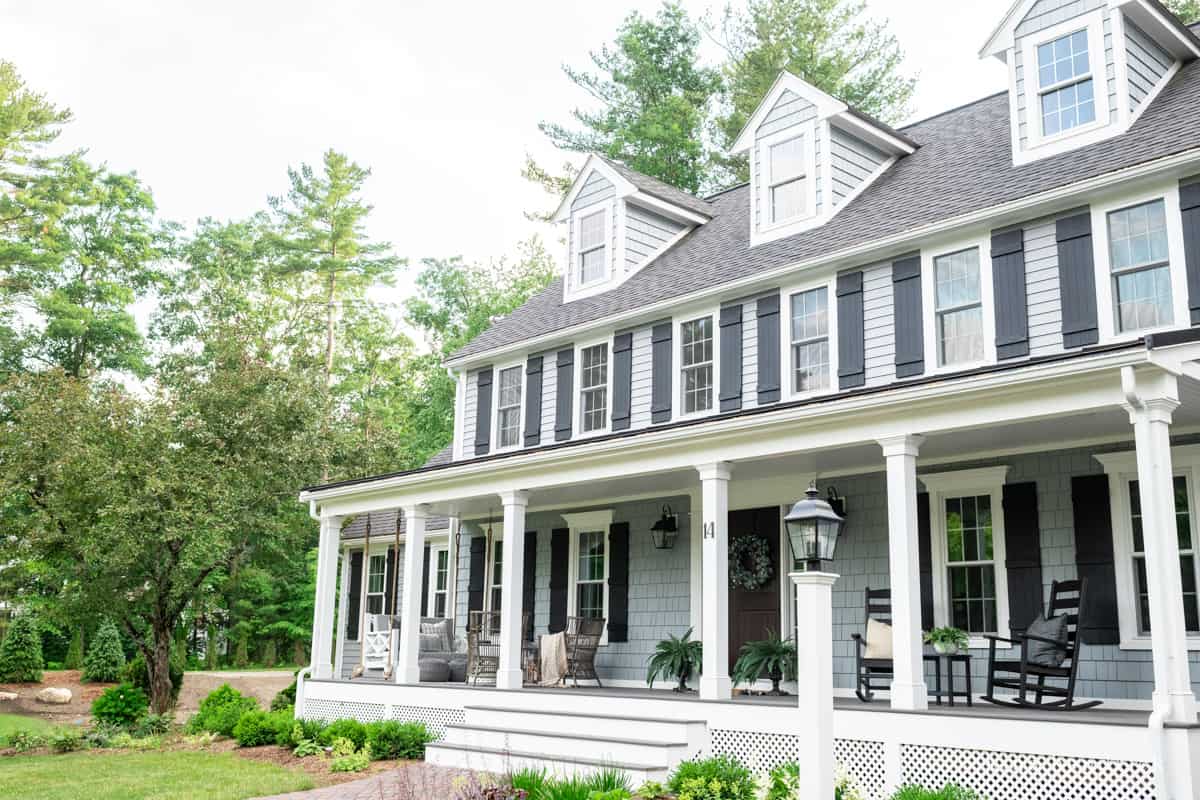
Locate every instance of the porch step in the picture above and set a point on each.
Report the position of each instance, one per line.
(558, 745)
(607, 726)
(500, 761)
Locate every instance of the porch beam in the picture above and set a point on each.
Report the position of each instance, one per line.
(407, 670)
(323, 602)
(714, 501)
(510, 674)
(904, 568)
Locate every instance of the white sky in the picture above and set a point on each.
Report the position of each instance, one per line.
(211, 101)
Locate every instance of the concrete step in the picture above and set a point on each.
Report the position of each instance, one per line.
(636, 750)
(500, 761)
(601, 726)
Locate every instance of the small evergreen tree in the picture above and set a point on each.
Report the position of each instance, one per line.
(74, 657)
(21, 652)
(105, 658)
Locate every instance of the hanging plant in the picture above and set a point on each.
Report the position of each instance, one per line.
(749, 563)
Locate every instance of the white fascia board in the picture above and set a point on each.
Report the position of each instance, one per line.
(872, 135)
(667, 209)
(1164, 31)
(826, 104)
(1003, 37)
(1062, 198)
(593, 164)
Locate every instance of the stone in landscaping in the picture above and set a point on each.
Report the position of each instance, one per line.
(54, 695)
(8, 696)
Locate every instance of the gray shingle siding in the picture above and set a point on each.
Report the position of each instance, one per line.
(1048, 13)
(646, 233)
(468, 421)
(880, 335)
(596, 188)
(789, 111)
(1041, 289)
(641, 384)
(853, 161)
(749, 355)
(1147, 63)
(549, 395)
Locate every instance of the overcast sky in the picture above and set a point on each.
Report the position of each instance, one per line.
(210, 101)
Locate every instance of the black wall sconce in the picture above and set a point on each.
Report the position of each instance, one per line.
(666, 530)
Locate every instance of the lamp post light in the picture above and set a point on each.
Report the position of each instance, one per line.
(813, 527)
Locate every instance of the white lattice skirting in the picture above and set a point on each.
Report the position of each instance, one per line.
(762, 752)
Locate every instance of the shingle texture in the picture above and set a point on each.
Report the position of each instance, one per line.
(663, 191)
(964, 164)
(383, 524)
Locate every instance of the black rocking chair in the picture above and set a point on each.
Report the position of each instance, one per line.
(872, 673)
(1025, 678)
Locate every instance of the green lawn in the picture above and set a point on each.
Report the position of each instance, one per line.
(178, 775)
(11, 723)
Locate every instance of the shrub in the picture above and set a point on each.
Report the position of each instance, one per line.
(610, 794)
(784, 782)
(74, 657)
(135, 672)
(393, 739)
(202, 739)
(23, 741)
(354, 762)
(342, 747)
(350, 729)
(717, 778)
(608, 779)
(651, 790)
(21, 652)
(101, 734)
(220, 711)
(255, 728)
(947, 792)
(306, 748)
(533, 782)
(153, 725)
(123, 704)
(105, 658)
(284, 698)
(67, 740)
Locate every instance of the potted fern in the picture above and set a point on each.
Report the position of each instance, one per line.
(675, 658)
(773, 657)
(947, 641)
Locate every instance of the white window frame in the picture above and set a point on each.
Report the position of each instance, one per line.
(367, 593)
(963, 483)
(1121, 469)
(929, 302)
(496, 446)
(431, 600)
(577, 217)
(577, 388)
(489, 561)
(1093, 23)
(830, 286)
(1106, 310)
(763, 229)
(585, 522)
(714, 314)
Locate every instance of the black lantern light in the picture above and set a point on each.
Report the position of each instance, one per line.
(813, 527)
(665, 530)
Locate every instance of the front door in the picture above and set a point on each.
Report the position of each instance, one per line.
(753, 612)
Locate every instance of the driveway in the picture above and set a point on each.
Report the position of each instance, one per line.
(414, 781)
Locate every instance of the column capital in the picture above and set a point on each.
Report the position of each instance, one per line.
(1156, 409)
(716, 471)
(906, 444)
(813, 578)
(415, 511)
(514, 497)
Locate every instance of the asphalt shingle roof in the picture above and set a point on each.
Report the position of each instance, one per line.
(663, 191)
(383, 524)
(964, 164)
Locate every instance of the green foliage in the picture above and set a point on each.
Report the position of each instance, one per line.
(676, 658)
(284, 698)
(105, 658)
(651, 790)
(21, 650)
(255, 727)
(153, 725)
(307, 747)
(391, 739)
(609, 794)
(1187, 10)
(351, 762)
(220, 711)
(67, 740)
(135, 672)
(122, 704)
(240, 656)
(783, 783)
(74, 657)
(948, 636)
(716, 778)
(350, 729)
(269, 658)
(23, 741)
(773, 657)
(947, 792)
(533, 782)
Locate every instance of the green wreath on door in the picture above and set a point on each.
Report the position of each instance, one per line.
(750, 563)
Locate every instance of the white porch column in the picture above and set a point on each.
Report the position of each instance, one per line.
(327, 556)
(714, 568)
(814, 681)
(512, 578)
(339, 635)
(904, 569)
(410, 604)
(1150, 407)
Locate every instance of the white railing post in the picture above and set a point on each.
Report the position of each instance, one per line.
(407, 670)
(814, 681)
(511, 674)
(714, 568)
(322, 638)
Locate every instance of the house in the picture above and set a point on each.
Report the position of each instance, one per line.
(977, 330)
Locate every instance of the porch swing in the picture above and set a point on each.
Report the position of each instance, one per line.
(379, 630)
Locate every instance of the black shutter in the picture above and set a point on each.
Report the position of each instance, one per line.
(529, 589)
(767, 310)
(477, 574)
(907, 316)
(622, 399)
(1077, 280)
(560, 555)
(483, 411)
(1094, 559)
(533, 401)
(564, 394)
(354, 596)
(389, 584)
(731, 360)
(851, 347)
(1189, 208)
(1022, 555)
(618, 582)
(1008, 285)
(660, 372)
(425, 583)
(925, 558)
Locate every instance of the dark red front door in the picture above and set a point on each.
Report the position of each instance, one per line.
(752, 614)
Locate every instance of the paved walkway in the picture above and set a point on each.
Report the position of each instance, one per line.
(415, 781)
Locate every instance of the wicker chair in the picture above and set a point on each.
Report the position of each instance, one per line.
(583, 639)
(483, 643)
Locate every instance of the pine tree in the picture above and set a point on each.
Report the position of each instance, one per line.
(211, 661)
(241, 657)
(74, 657)
(105, 657)
(268, 653)
(21, 652)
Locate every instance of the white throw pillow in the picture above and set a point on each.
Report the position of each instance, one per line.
(879, 640)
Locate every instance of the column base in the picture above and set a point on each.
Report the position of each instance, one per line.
(718, 688)
(1180, 706)
(510, 679)
(910, 697)
(408, 677)
(322, 673)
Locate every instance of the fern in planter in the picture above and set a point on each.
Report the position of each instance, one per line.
(774, 657)
(675, 658)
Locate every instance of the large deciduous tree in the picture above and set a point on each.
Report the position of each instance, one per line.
(1186, 10)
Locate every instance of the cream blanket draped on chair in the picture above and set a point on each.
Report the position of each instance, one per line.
(552, 655)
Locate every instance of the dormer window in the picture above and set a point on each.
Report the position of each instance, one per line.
(1066, 89)
(592, 247)
(786, 186)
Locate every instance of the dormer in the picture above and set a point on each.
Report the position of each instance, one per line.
(810, 155)
(1083, 71)
(618, 221)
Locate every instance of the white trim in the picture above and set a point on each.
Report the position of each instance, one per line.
(829, 283)
(431, 598)
(677, 412)
(575, 288)
(593, 164)
(1003, 37)
(872, 135)
(587, 522)
(489, 558)
(495, 437)
(929, 255)
(1164, 32)
(678, 213)
(460, 412)
(1121, 468)
(762, 228)
(784, 82)
(944, 485)
(577, 431)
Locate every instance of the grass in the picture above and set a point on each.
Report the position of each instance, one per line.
(11, 723)
(177, 775)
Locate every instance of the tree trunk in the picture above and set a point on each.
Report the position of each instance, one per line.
(159, 669)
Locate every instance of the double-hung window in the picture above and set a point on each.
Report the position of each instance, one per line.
(591, 574)
(1139, 261)
(591, 248)
(1187, 557)
(786, 191)
(593, 387)
(376, 583)
(971, 564)
(696, 359)
(1066, 89)
(439, 581)
(508, 413)
(495, 571)
(810, 340)
(958, 307)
